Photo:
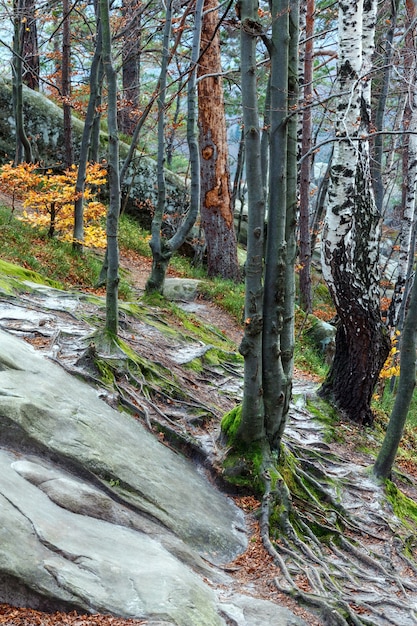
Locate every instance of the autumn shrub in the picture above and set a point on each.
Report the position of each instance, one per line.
(49, 199)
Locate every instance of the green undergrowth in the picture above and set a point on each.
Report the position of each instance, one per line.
(11, 277)
(403, 507)
(242, 466)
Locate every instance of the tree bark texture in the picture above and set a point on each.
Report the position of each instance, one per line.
(351, 233)
(66, 82)
(306, 164)
(252, 427)
(406, 386)
(275, 257)
(131, 11)
(23, 147)
(30, 49)
(78, 235)
(408, 209)
(112, 286)
(216, 206)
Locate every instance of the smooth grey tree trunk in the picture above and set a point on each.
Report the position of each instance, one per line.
(162, 249)
(406, 384)
(112, 285)
(78, 235)
(275, 257)
(66, 83)
(306, 164)
(23, 147)
(252, 427)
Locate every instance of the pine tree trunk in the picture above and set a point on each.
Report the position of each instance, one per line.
(216, 207)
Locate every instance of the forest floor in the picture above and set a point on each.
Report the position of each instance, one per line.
(346, 558)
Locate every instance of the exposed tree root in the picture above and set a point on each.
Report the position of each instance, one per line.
(329, 557)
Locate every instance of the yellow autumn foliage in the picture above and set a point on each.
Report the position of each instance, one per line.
(49, 198)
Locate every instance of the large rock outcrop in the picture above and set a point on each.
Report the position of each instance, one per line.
(44, 127)
(98, 515)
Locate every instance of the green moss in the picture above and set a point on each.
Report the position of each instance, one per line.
(10, 270)
(328, 416)
(230, 423)
(404, 508)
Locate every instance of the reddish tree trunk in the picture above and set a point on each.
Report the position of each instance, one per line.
(216, 206)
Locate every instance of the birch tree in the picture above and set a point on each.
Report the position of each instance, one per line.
(408, 209)
(351, 233)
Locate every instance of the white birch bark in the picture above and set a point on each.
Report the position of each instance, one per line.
(409, 210)
(351, 234)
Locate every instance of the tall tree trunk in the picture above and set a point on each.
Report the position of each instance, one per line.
(216, 206)
(288, 326)
(66, 83)
(351, 233)
(275, 258)
(378, 142)
(252, 427)
(112, 286)
(78, 235)
(306, 164)
(406, 385)
(23, 146)
(131, 50)
(30, 49)
(162, 250)
(408, 208)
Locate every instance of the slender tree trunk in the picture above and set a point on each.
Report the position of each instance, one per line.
(78, 236)
(406, 384)
(161, 254)
(306, 164)
(252, 427)
(378, 143)
(275, 258)
(408, 209)
(288, 332)
(216, 206)
(131, 50)
(30, 49)
(23, 146)
(112, 286)
(94, 152)
(352, 228)
(66, 83)
(162, 250)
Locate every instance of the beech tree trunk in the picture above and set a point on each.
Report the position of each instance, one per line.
(252, 427)
(306, 164)
(351, 232)
(162, 249)
(112, 284)
(66, 83)
(216, 206)
(23, 147)
(78, 235)
(406, 385)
